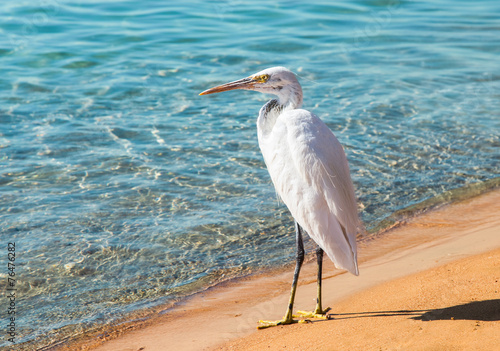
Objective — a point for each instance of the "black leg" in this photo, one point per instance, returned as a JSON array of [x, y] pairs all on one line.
[[299, 259], [288, 319], [319, 257], [298, 264]]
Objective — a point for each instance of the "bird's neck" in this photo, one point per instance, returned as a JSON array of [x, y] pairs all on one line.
[[289, 98], [268, 115]]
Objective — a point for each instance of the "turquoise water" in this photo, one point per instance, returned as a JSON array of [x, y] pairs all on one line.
[[123, 189]]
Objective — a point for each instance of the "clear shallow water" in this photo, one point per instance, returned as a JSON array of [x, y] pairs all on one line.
[[123, 189]]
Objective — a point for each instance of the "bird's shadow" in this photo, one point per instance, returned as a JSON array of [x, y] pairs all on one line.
[[487, 310]]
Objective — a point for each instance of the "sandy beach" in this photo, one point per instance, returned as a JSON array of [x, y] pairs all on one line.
[[431, 283]]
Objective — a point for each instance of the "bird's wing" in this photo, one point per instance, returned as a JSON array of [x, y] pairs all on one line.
[[310, 172]]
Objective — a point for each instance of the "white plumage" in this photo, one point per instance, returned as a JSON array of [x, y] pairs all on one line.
[[309, 170]]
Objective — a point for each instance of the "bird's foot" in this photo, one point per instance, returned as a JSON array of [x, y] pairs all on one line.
[[284, 321], [318, 313]]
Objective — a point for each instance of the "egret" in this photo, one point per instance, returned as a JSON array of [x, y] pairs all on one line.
[[310, 172]]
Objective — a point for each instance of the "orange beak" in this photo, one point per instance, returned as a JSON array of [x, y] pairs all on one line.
[[245, 83]]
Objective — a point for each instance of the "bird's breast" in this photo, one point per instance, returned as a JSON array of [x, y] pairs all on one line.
[[287, 136]]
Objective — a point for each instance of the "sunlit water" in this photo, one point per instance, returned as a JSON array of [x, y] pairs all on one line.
[[122, 188]]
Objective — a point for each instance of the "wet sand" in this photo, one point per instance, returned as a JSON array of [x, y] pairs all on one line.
[[431, 283]]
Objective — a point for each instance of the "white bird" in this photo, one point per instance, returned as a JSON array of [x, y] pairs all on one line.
[[310, 172]]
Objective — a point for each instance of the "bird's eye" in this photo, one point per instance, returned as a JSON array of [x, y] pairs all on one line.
[[262, 78]]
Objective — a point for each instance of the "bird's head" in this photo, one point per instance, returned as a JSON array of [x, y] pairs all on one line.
[[275, 80]]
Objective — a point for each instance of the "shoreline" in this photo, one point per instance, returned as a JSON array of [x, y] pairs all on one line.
[[230, 310]]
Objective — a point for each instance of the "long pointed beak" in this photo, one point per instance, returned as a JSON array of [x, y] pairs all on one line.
[[245, 83]]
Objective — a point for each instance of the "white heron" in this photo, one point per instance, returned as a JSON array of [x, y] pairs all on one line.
[[309, 170]]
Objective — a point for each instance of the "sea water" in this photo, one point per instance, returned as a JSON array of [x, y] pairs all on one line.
[[122, 189]]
